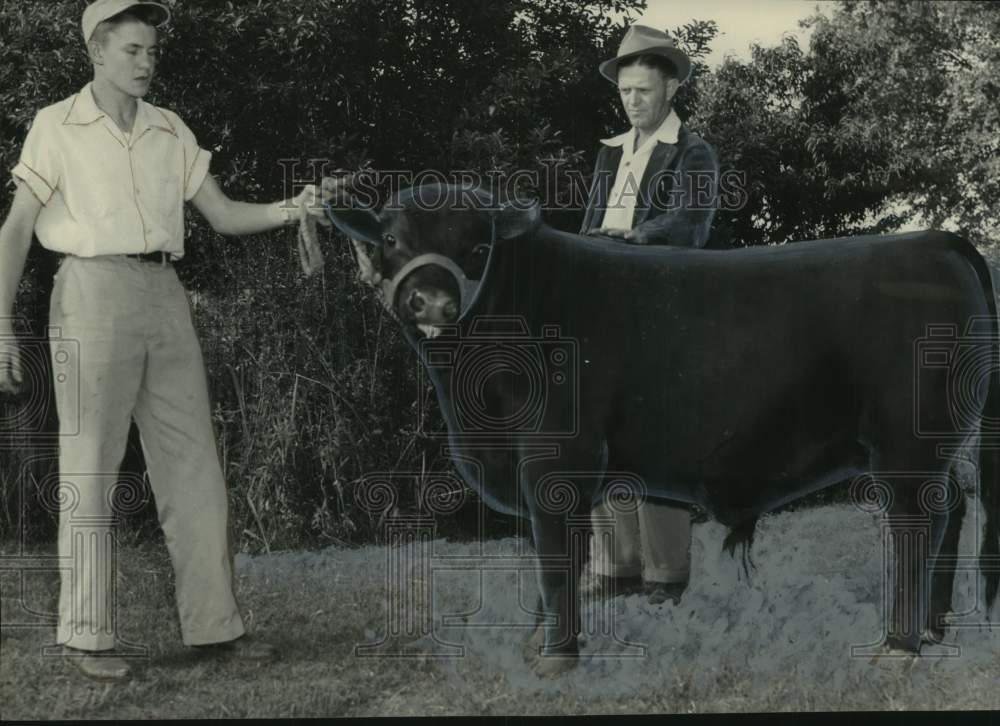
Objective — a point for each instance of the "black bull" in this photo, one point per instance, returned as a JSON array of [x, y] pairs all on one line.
[[735, 380]]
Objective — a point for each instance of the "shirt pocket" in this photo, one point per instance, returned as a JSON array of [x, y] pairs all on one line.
[[166, 197], [160, 184]]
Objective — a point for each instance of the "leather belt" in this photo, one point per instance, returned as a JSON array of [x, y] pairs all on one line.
[[162, 258]]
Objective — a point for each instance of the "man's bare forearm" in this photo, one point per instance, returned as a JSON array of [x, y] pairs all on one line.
[[15, 240], [230, 217], [242, 218]]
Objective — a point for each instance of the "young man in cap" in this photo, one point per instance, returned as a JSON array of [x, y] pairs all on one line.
[[657, 183], [102, 179]]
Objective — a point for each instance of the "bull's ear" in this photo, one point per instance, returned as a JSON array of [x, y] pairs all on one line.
[[356, 223], [517, 218]]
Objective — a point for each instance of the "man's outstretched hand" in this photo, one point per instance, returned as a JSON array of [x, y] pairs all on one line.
[[313, 197], [311, 211], [311, 200]]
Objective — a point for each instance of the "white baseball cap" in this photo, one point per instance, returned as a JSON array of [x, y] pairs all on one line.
[[99, 11]]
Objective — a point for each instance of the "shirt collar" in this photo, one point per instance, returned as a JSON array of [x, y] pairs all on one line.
[[148, 116], [84, 110], [667, 132]]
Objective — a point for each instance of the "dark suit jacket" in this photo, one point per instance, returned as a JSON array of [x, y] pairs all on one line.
[[678, 193]]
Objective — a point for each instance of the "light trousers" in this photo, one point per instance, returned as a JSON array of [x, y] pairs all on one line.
[[123, 346], [653, 542]]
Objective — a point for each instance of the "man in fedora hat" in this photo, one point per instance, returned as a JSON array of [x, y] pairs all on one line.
[[102, 179], [657, 183]]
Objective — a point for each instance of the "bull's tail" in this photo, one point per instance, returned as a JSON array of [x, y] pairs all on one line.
[[742, 535], [989, 449], [989, 490]]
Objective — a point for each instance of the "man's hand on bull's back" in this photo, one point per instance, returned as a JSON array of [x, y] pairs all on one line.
[[627, 235]]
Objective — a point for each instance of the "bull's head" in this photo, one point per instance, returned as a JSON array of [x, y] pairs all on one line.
[[431, 246]]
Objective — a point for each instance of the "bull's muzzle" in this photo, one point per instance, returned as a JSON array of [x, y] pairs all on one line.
[[432, 307], [420, 301]]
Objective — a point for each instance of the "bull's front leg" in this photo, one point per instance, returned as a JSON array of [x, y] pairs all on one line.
[[552, 502]]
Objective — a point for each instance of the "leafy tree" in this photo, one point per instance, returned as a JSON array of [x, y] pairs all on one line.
[[888, 117], [751, 112]]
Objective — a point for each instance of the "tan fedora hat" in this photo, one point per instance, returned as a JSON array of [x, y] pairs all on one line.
[[640, 40]]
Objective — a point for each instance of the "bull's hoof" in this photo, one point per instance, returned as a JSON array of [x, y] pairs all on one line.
[[532, 645], [892, 653], [550, 666], [553, 662], [932, 635], [906, 644]]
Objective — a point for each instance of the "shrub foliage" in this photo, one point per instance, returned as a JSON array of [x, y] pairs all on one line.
[[890, 114]]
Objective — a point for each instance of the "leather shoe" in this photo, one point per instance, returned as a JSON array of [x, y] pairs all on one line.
[[242, 648], [660, 592], [103, 668]]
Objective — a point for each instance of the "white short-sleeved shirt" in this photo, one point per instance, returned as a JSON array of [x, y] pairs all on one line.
[[625, 190], [105, 192]]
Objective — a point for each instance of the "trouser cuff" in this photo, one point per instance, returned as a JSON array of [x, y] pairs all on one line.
[[206, 636], [84, 641]]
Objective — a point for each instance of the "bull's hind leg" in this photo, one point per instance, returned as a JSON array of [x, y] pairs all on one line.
[[943, 577], [916, 535]]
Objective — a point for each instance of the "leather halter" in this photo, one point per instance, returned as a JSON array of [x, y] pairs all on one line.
[[467, 288]]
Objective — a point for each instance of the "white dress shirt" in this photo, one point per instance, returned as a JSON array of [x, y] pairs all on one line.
[[625, 190], [105, 192]]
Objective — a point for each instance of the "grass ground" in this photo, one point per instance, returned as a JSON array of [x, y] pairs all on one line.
[[313, 678], [317, 675], [779, 644]]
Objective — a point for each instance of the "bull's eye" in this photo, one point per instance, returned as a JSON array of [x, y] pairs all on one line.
[[389, 240]]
